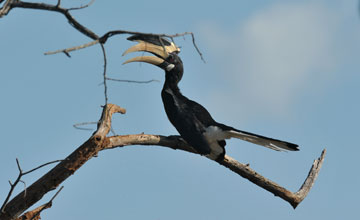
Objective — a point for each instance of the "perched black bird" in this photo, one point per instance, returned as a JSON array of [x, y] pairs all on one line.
[[191, 119]]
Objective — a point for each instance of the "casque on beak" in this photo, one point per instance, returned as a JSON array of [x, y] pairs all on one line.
[[152, 44]]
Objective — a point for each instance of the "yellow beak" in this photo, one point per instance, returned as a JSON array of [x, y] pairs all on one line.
[[147, 59], [161, 52]]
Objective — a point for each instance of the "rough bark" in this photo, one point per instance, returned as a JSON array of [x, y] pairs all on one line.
[[64, 169], [98, 141]]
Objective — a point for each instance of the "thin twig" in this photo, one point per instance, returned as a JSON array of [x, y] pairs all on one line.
[[46, 205], [196, 47], [104, 73], [72, 48], [56, 8], [45, 164], [109, 34], [171, 36], [18, 179], [18, 165], [12, 187], [77, 126], [42, 6], [82, 6], [132, 81]]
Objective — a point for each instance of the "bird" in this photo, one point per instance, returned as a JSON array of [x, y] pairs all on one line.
[[194, 123]]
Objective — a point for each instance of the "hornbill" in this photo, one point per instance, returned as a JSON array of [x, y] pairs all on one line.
[[192, 120]]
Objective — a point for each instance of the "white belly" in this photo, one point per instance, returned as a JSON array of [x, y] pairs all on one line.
[[213, 134]]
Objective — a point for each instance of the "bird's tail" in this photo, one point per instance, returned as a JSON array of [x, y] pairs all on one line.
[[263, 141]]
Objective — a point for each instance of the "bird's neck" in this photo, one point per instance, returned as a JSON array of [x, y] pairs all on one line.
[[172, 87]]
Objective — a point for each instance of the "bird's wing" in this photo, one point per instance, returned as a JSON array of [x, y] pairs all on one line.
[[186, 122], [192, 130], [201, 113]]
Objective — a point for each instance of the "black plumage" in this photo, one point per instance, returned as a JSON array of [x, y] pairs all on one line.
[[192, 120]]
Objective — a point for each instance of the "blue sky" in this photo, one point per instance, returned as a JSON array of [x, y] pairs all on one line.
[[284, 69]]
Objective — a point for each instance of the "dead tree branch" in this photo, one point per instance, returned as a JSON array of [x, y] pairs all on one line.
[[132, 81], [18, 179], [176, 143], [293, 198], [10, 4], [78, 125], [82, 6], [64, 169], [104, 73], [35, 214], [109, 34], [99, 141], [68, 50]]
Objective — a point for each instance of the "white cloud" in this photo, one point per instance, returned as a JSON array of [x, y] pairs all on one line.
[[274, 54]]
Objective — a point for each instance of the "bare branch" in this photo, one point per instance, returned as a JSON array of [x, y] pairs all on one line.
[[98, 141], [18, 165], [64, 169], [12, 187], [105, 37], [109, 34], [47, 7], [35, 214], [104, 124], [310, 180], [73, 48], [77, 126], [83, 6], [6, 7], [243, 170], [45, 164], [174, 142], [293, 198], [132, 81], [104, 73], [18, 179], [196, 47], [9, 4]]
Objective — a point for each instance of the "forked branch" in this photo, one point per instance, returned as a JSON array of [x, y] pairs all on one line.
[[177, 143], [99, 141], [52, 179], [10, 4], [35, 214]]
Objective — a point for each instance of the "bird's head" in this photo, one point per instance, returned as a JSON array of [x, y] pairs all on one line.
[[165, 55]]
